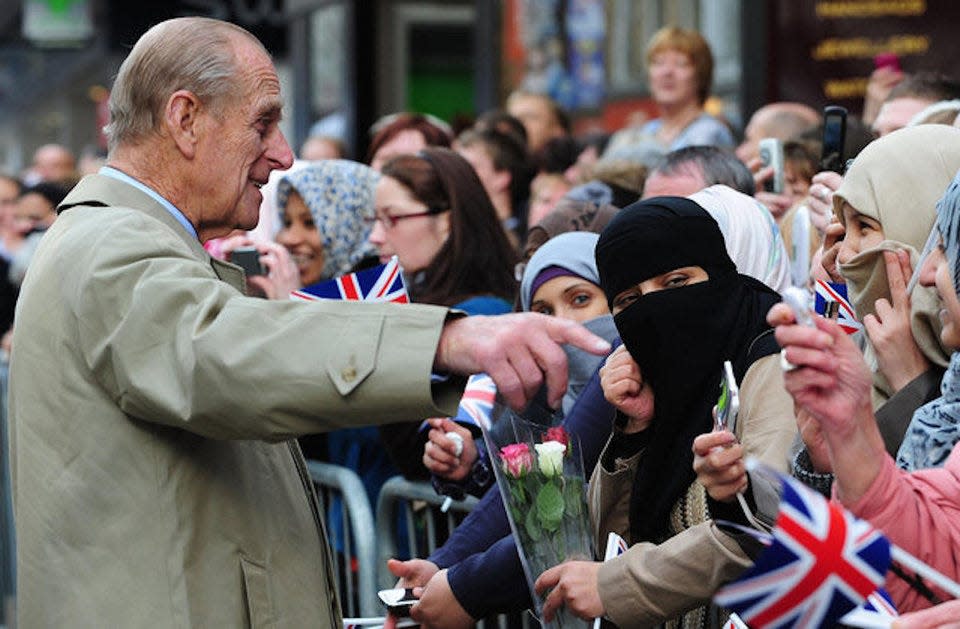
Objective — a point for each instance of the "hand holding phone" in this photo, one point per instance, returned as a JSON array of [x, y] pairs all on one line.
[[797, 299], [771, 154], [728, 402], [398, 600], [834, 137], [887, 60], [248, 258]]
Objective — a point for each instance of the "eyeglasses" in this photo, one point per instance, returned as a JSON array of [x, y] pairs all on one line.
[[390, 221]]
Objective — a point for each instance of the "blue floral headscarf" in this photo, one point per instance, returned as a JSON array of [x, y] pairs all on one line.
[[935, 427], [339, 194]]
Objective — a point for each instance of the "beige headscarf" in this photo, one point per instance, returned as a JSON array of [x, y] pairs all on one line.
[[898, 180]]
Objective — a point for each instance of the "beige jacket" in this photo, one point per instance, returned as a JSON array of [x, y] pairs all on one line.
[[152, 407], [653, 583]]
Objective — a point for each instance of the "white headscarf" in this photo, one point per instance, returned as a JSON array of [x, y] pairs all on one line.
[[751, 234]]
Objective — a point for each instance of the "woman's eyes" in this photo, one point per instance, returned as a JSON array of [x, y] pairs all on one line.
[[581, 299], [624, 300], [542, 309], [674, 281]]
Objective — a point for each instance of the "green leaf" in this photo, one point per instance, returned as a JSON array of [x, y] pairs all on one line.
[[549, 506], [532, 526]]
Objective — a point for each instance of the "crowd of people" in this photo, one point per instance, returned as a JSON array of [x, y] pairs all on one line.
[[162, 401]]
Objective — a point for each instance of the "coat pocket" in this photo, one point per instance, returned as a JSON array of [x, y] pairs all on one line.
[[256, 589]]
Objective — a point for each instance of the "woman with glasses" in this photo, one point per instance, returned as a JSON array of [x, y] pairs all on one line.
[[432, 212]]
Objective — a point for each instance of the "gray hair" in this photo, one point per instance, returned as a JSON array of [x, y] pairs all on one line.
[[191, 53], [718, 166]]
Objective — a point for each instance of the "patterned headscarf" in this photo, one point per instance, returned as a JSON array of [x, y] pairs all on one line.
[[339, 194], [935, 427]]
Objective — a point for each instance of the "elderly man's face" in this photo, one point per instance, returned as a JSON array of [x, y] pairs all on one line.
[[241, 147]]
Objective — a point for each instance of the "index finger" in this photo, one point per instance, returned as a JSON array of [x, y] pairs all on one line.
[[549, 578], [709, 440], [568, 332], [895, 279]]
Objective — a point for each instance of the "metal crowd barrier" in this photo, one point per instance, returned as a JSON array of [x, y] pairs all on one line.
[[420, 506], [7, 543], [427, 528], [357, 595]]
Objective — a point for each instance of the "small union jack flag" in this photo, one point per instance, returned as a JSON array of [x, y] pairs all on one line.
[[616, 546], [877, 611], [477, 401], [822, 563], [828, 292], [380, 283], [476, 405]]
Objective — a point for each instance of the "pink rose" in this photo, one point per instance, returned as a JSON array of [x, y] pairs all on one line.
[[517, 459], [557, 433]]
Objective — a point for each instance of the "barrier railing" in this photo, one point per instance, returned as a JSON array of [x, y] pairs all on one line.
[[426, 527], [358, 588]]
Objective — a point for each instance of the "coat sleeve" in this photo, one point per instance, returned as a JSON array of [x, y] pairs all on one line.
[[919, 512], [651, 583], [171, 343]]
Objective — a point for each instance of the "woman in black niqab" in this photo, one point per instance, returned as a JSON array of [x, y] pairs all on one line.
[[681, 309]]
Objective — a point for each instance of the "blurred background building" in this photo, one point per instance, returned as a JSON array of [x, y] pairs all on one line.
[[344, 63]]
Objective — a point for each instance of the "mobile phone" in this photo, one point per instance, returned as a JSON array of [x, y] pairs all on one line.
[[887, 60], [771, 154], [798, 301], [728, 402], [398, 600], [248, 259], [834, 136]]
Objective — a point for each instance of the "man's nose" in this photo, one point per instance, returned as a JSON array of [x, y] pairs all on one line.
[[279, 152]]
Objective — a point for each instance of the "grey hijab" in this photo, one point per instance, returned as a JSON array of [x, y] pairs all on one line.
[[935, 427]]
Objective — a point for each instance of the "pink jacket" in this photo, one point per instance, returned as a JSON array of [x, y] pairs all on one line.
[[919, 512]]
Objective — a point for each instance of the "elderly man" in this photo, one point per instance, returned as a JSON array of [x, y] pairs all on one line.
[[153, 404]]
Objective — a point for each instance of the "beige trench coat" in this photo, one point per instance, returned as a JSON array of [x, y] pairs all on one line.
[[152, 408]]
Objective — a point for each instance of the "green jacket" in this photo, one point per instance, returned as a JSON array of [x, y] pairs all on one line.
[[152, 411]]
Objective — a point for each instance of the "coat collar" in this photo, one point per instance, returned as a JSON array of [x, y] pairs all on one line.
[[102, 191]]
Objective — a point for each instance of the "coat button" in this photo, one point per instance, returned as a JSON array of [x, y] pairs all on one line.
[[349, 374]]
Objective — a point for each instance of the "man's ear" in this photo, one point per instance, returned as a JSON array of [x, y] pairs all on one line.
[[181, 120]]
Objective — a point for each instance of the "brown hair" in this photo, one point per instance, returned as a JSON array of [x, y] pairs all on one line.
[[692, 44], [477, 258], [432, 134]]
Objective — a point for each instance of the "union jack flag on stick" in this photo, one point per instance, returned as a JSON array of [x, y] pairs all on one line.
[[822, 563], [380, 283], [836, 295]]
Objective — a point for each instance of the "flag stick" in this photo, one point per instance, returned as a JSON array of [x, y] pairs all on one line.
[[940, 580]]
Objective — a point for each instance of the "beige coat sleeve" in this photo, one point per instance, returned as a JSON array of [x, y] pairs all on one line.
[[171, 343], [652, 583]]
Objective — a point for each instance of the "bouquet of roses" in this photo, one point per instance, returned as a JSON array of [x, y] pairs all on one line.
[[540, 475]]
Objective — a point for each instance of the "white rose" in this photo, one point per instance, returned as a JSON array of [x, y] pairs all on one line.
[[550, 457]]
